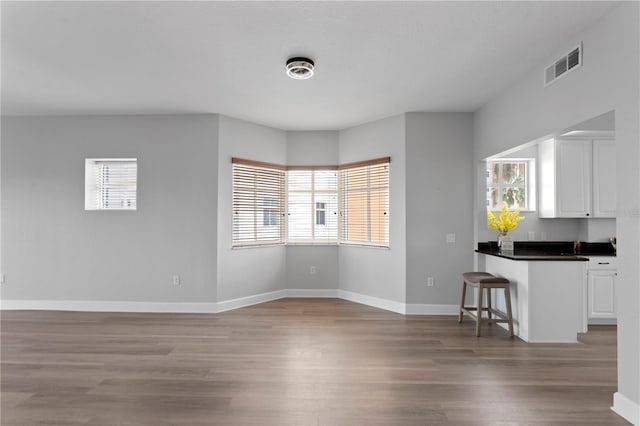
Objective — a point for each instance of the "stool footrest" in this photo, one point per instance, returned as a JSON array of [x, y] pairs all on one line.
[[471, 311]]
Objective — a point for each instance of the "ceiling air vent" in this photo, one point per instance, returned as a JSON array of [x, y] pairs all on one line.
[[562, 66]]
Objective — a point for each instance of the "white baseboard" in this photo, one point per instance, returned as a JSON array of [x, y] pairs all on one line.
[[625, 408], [241, 302], [328, 293], [225, 305], [602, 321], [426, 309], [376, 302], [107, 306]]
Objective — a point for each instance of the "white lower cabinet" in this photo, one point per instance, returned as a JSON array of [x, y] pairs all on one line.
[[601, 291]]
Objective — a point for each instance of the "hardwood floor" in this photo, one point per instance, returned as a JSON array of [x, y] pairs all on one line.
[[309, 362]]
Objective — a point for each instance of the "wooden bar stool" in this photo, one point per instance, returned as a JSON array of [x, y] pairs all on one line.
[[482, 281]]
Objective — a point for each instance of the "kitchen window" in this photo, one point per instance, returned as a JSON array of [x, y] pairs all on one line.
[[511, 181]]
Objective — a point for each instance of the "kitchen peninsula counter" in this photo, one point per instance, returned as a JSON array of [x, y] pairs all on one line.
[[548, 287], [516, 255]]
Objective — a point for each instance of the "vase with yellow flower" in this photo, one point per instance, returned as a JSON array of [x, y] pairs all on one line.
[[504, 222]]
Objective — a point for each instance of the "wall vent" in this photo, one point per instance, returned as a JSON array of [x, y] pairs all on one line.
[[563, 66]]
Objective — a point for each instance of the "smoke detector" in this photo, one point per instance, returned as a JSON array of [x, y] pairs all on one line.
[[300, 68]]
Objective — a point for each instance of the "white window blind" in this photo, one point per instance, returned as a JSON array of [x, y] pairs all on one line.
[[364, 202], [111, 184], [347, 204], [312, 206], [258, 203]]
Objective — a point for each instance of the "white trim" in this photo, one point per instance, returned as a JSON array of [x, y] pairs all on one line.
[[225, 305], [321, 293], [602, 321], [554, 340], [589, 134], [625, 408], [241, 302], [428, 309], [107, 306], [376, 302]]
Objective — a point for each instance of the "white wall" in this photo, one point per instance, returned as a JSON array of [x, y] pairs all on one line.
[[600, 230], [314, 148], [299, 260], [439, 151], [528, 111], [55, 250], [554, 229], [246, 272], [375, 272]]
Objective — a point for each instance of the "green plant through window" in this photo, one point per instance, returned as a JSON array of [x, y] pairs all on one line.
[[508, 181]]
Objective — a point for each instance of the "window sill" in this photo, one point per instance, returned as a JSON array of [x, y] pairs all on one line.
[[365, 245], [313, 243], [308, 244], [251, 246]]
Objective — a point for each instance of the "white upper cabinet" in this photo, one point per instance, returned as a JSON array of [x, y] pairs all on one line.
[[573, 178], [604, 178], [577, 178]]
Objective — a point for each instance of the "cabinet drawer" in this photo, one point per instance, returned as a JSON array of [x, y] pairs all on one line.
[[602, 262]]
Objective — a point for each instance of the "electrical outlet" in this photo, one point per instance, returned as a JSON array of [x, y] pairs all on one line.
[[451, 238], [312, 270], [176, 280], [431, 282], [532, 235], [2, 278], [543, 236]]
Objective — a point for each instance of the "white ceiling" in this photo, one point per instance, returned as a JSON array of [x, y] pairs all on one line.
[[373, 59]]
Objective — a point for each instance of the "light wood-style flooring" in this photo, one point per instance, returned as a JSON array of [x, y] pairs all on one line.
[[301, 362]]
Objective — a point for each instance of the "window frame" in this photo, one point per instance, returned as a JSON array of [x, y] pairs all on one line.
[[529, 184]]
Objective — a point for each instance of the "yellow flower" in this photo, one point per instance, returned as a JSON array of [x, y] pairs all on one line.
[[506, 221]]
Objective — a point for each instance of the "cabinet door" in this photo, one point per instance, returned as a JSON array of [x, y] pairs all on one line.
[[573, 178], [602, 285], [604, 178]]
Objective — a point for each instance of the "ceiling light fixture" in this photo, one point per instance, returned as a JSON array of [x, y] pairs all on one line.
[[300, 68]]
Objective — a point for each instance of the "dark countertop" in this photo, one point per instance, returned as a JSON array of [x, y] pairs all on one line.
[[515, 255], [547, 250]]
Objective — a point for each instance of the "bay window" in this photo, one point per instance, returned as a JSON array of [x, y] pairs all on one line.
[[347, 204]]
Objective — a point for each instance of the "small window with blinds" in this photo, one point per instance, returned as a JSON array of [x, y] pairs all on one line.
[[258, 203], [312, 206], [111, 183], [364, 203]]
